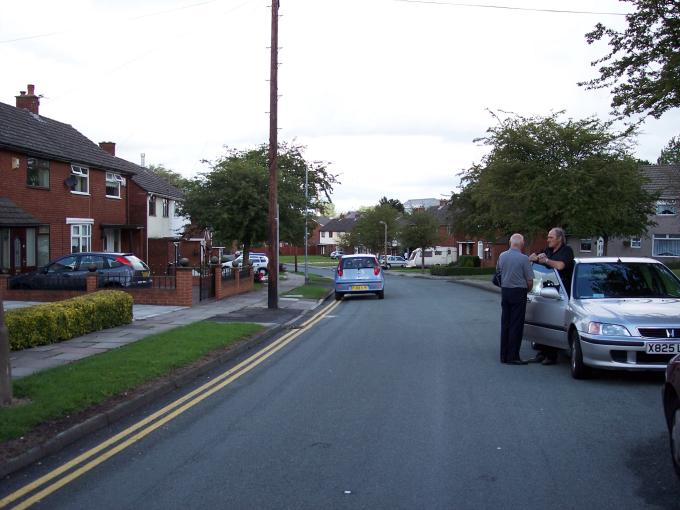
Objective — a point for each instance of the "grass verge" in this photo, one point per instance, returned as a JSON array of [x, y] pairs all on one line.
[[317, 287], [65, 390], [312, 260]]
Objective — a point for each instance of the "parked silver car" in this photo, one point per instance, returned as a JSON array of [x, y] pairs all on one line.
[[392, 261], [622, 313]]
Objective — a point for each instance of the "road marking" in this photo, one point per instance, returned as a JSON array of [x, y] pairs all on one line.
[[170, 411]]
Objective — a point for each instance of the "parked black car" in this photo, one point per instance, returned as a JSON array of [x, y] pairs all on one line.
[[69, 272], [671, 401]]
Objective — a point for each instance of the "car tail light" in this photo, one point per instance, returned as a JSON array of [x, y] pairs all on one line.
[[124, 261], [339, 270], [376, 270]]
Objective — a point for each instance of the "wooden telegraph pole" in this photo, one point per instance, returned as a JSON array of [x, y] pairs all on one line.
[[5, 365], [273, 286]]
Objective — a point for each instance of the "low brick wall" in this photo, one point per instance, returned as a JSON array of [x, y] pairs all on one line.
[[233, 286]]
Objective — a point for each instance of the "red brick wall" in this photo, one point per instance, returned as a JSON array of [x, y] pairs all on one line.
[[52, 206]]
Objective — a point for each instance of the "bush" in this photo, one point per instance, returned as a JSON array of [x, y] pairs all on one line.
[[55, 322], [469, 261], [461, 271], [674, 264]]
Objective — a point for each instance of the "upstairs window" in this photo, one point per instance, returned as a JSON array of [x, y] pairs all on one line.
[[586, 245], [38, 173], [666, 208], [82, 179], [113, 184], [166, 208], [152, 205]]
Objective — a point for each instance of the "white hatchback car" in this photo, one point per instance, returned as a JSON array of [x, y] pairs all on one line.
[[259, 262]]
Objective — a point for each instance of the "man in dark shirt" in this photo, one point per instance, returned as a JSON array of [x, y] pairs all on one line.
[[559, 256]]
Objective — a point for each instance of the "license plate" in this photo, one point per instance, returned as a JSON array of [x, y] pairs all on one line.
[[662, 348], [359, 287], [145, 274]]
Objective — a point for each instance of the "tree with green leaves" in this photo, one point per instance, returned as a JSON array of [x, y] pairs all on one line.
[[232, 198], [174, 178], [369, 232], [642, 68], [420, 229], [393, 202], [544, 172], [670, 154]]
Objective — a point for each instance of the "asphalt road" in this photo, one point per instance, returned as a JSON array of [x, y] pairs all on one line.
[[397, 403]]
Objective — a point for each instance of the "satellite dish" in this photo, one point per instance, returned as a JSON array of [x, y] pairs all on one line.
[[70, 182]]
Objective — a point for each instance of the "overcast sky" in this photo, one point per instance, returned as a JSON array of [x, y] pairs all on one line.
[[391, 93]]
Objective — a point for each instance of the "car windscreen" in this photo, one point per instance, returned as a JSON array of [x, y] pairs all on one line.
[[358, 263], [624, 280]]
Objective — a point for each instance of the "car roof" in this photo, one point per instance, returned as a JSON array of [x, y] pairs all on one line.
[[590, 260], [110, 253], [355, 255]]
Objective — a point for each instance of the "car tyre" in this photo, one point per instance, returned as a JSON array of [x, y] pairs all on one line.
[[675, 437], [338, 296], [389, 266], [381, 294], [578, 369]]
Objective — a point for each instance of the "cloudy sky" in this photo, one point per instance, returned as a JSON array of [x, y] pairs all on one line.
[[390, 92]]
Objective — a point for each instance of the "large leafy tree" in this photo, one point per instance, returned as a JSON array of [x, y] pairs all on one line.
[[420, 229], [174, 178], [543, 172], [392, 202], [642, 67], [670, 154], [232, 198], [369, 232]]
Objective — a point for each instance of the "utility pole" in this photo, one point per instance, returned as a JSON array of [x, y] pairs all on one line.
[[273, 284], [5, 365]]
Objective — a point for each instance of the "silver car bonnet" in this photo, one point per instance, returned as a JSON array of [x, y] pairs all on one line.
[[631, 312]]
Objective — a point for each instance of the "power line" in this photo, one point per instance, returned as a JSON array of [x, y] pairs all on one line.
[[505, 7]]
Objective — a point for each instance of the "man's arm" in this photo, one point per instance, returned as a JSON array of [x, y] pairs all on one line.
[[530, 284]]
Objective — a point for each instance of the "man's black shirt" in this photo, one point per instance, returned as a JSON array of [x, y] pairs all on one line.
[[563, 254]]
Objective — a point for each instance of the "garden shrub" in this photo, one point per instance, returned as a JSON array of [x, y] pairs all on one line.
[[469, 261], [55, 322]]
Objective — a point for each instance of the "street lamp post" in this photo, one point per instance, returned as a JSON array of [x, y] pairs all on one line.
[[385, 225], [306, 211]]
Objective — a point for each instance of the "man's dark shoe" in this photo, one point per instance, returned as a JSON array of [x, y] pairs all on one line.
[[549, 361], [536, 359], [516, 362]]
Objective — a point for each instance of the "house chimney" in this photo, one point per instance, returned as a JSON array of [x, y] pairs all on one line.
[[109, 147], [29, 101]]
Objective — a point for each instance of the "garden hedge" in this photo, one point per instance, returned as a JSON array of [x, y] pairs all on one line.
[[55, 322], [461, 271]]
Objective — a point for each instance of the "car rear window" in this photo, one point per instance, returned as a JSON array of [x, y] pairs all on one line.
[[137, 263], [358, 263], [622, 280]]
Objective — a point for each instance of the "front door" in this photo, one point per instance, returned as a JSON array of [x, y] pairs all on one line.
[[18, 250]]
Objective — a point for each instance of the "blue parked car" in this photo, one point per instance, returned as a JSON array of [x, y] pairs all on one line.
[[359, 274]]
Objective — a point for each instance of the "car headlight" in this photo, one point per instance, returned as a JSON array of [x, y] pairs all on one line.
[[601, 328]]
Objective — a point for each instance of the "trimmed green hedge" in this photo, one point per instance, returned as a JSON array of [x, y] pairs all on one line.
[[460, 271], [55, 322], [468, 261]]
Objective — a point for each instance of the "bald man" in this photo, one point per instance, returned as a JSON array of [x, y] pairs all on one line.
[[517, 278]]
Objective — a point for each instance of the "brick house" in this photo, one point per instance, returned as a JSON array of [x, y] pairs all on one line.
[[331, 233], [661, 241], [60, 192]]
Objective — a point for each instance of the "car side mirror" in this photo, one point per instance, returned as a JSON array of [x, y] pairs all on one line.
[[550, 293]]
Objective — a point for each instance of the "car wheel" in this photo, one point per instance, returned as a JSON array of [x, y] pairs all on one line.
[[389, 266], [578, 369], [338, 296], [675, 436], [262, 271], [381, 294]]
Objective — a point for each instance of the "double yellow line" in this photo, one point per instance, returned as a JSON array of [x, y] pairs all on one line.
[[104, 451]]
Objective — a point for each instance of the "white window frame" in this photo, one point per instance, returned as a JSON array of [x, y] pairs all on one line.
[[635, 242], [664, 237], [113, 180], [81, 173], [165, 206], [666, 202], [580, 245], [81, 234]]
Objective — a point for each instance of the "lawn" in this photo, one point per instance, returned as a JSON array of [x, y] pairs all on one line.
[[317, 287], [312, 260], [72, 388]]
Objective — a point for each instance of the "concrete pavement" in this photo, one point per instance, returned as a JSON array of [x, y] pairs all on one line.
[[149, 320]]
